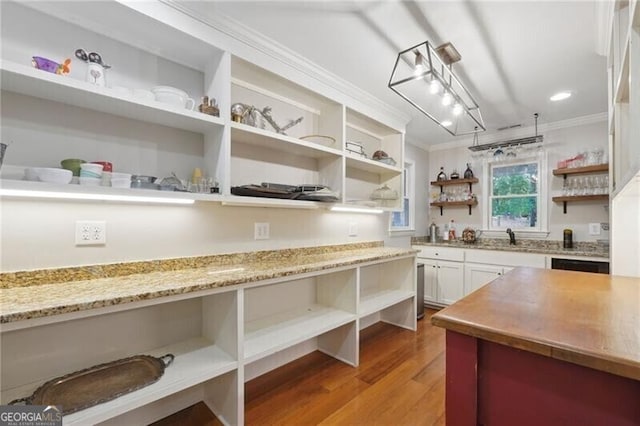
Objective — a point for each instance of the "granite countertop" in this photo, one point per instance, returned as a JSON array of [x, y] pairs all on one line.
[[587, 319], [586, 249], [36, 294]]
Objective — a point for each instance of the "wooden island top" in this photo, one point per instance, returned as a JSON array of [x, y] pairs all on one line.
[[587, 319]]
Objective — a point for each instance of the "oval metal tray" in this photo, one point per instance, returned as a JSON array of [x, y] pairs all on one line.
[[101, 383]]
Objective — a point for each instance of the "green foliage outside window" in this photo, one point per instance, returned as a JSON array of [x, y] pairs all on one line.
[[514, 195]]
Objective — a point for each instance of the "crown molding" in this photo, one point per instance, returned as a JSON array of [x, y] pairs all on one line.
[[522, 132], [273, 49]]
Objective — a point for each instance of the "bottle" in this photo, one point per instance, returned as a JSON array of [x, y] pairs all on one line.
[[468, 174], [454, 174], [452, 231], [442, 175], [567, 241], [445, 232]]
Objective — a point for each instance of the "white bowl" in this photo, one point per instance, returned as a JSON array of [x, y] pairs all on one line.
[[31, 173], [91, 170], [89, 181], [172, 96], [121, 182], [54, 175]]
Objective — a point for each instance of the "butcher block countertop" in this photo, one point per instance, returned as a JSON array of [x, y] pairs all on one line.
[[36, 294], [587, 319]]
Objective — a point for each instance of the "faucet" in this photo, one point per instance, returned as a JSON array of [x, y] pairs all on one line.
[[512, 237]]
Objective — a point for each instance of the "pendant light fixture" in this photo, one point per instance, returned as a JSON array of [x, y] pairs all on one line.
[[423, 76]]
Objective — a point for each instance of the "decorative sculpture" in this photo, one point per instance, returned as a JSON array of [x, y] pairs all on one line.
[[248, 114]]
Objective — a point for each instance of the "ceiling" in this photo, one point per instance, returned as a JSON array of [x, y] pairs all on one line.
[[515, 54]]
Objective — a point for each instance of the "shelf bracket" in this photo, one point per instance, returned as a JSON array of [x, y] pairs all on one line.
[[564, 207], [469, 209], [440, 210]]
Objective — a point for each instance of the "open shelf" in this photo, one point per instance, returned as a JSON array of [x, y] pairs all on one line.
[[42, 189], [237, 200], [441, 204], [41, 84], [622, 83], [454, 182], [371, 166], [570, 198], [275, 141], [196, 361], [381, 300], [581, 170], [266, 336]]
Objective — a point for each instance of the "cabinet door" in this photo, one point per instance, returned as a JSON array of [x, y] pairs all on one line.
[[450, 281], [476, 276], [430, 280]]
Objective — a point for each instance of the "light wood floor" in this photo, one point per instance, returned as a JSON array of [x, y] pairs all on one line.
[[400, 381]]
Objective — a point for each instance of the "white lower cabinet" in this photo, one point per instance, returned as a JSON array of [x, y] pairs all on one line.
[[220, 338], [443, 281], [477, 275]]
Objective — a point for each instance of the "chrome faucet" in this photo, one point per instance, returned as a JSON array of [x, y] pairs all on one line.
[[512, 237]]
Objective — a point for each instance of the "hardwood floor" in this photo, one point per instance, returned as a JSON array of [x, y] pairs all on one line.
[[400, 381]]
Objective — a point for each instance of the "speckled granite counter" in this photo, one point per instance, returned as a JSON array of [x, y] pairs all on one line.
[[585, 249], [36, 294]]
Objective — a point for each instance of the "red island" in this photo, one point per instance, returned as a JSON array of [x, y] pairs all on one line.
[[544, 347]]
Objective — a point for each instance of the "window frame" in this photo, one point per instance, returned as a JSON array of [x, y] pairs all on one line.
[[408, 187], [542, 228]]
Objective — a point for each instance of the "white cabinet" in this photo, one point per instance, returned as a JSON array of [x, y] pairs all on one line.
[[201, 332], [157, 44], [443, 279], [623, 52], [477, 275], [450, 281], [451, 273], [221, 337]]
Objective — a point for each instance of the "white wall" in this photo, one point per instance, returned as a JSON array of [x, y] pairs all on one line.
[[560, 143], [421, 159], [40, 234]]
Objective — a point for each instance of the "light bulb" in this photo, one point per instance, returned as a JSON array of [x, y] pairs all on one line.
[[457, 109], [446, 123], [419, 66], [434, 87], [447, 99]]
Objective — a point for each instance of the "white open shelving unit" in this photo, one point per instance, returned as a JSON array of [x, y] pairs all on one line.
[[232, 153], [623, 23], [220, 338]]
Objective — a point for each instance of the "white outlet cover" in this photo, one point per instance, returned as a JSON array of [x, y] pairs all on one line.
[[594, 229], [91, 232], [261, 230], [353, 229]]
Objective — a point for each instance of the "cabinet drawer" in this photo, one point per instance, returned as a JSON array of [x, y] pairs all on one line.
[[443, 253], [495, 257]]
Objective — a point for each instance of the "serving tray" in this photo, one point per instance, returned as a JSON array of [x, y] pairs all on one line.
[[101, 383]]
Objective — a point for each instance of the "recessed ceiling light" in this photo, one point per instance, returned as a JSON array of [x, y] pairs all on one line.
[[447, 123], [560, 96]]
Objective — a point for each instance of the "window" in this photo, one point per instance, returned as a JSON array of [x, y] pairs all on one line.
[[515, 194], [404, 220]]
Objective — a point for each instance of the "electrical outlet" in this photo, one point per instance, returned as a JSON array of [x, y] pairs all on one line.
[[353, 229], [261, 231], [604, 226], [594, 229], [91, 232]]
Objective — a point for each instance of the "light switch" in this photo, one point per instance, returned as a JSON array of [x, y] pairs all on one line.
[[594, 229]]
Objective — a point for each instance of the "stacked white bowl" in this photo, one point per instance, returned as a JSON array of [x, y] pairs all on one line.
[[91, 174]]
